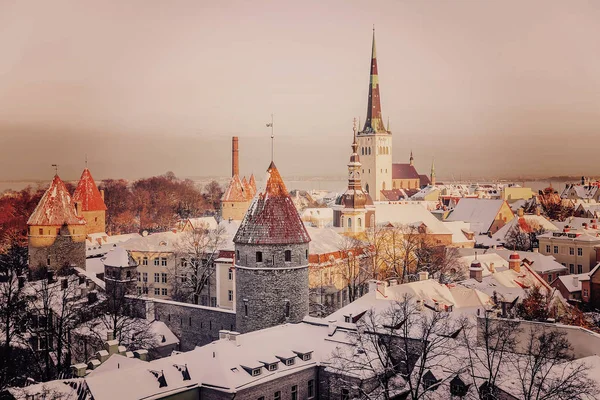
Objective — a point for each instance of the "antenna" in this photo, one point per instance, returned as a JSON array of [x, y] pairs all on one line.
[[86, 160], [55, 169], [270, 125]]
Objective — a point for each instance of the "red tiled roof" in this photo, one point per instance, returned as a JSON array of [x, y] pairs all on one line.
[[404, 171], [424, 180], [235, 191], [88, 194], [252, 184], [56, 207], [272, 217]]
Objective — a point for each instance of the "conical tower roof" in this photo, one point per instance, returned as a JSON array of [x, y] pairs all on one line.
[[252, 184], [374, 120], [272, 217], [56, 207], [88, 194], [235, 190]]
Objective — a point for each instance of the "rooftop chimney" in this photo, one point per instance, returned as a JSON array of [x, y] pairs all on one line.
[[235, 163], [576, 281], [520, 212]]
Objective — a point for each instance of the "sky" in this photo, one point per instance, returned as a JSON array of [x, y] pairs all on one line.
[[487, 88]]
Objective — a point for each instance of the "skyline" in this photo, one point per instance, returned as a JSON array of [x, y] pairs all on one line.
[[488, 89]]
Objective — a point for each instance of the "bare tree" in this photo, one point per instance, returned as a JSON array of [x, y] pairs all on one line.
[[547, 369], [373, 251], [394, 351], [197, 250], [523, 239], [353, 267]]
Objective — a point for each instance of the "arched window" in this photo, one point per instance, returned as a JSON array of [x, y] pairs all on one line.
[[349, 223], [246, 309], [259, 256], [359, 223], [288, 255], [287, 309], [369, 151], [367, 188]]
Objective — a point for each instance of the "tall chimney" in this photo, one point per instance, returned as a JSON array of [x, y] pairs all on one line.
[[235, 163]]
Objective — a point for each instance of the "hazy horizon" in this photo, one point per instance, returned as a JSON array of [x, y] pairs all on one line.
[[495, 89]]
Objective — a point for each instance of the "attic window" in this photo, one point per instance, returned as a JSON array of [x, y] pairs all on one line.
[[306, 357], [272, 367], [290, 361], [256, 372]]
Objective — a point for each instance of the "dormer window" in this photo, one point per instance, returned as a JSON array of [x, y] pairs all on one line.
[[290, 361], [256, 372], [272, 367], [306, 357]]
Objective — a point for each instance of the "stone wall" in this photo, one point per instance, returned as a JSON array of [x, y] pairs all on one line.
[[194, 325], [62, 251], [273, 291], [95, 221]]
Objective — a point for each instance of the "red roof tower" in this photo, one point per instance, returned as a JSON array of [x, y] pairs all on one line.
[[88, 194], [272, 217], [56, 207], [374, 121]]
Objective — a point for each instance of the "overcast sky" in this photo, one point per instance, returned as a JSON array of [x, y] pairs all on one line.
[[486, 87]]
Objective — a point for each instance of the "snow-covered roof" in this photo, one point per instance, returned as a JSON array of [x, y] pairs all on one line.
[[573, 282], [119, 257], [539, 262], [160, 242], [481, 213], [459, 230], [324, 240], [409, 214], [56, 207], [88, 194], [420, 195], [525, 224], [203, 222]]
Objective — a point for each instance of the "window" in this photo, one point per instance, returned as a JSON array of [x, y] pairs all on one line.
[[287, 309], [145, 261], [295, 392], [163, 291], [156, 261], [307, 254], [359, 223], [549, 278], [261, 398], [547, 248], [345, 394], [277, 395], [183, 262], [139, 290], [311, 388], [290, 361], [156, 277], [273, 367], [579, 268], [256, 372], [128, 274], [58, 231], [288, 255], [579, 251], [259, 256], [585, 293], [163, 277], [213, 301], [156, 291], [571, 268], [246, 309], [230, 274], [571, 251], [555, 249], [144, 277], [349, 223], [145, 290], [163, 262], [237, 254], [230, 295], [306, 357]]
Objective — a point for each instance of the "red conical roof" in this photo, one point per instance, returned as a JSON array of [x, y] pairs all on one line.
[[88, 194], [235, 191], [272, 217], [252, 184], [56, 207]]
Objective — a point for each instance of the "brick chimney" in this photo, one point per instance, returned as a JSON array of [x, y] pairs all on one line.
[[514, 262], [476, 271], [235, 163]]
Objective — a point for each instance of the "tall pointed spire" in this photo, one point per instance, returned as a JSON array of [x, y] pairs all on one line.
[[411, 159], [432, 178], [374, 121]]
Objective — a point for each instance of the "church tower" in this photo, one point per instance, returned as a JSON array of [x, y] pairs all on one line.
[[354, 210], [432, 178], [56, 230], [271, 260], [375, 141], [92, 203]]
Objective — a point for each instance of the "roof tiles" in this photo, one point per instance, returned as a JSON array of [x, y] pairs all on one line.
[[87, 192], [56, 207]]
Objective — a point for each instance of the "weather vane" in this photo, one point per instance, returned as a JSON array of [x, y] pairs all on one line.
[[270, 125]]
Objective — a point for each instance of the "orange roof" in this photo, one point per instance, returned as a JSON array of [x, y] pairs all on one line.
[[252, 184], [235, 191], [88, 194], [56, 207], [272, 217]]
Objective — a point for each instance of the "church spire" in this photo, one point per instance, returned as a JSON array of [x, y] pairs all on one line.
[[374, 121], [432, 172], [411, 159], [354, 164]]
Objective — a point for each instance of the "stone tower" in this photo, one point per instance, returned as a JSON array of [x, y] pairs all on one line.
[[239, 192], [271, 260], [375, 141], [57, 230], [92, 203], [120, 273], [354, 210]]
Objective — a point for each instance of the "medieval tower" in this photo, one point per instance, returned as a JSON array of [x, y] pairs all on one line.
[[271, 260], [92, 203], [354, 210], [239, 192], [120, 273], [57, 230], [375, 141]]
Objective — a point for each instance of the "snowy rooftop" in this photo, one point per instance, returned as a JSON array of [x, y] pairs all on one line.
[[409, 214], [88, 194], [481, 213], [56, 207]]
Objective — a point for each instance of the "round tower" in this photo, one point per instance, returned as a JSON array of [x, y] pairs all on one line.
[[56, 230], [120, 273], [93, 207], [271, 260]]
